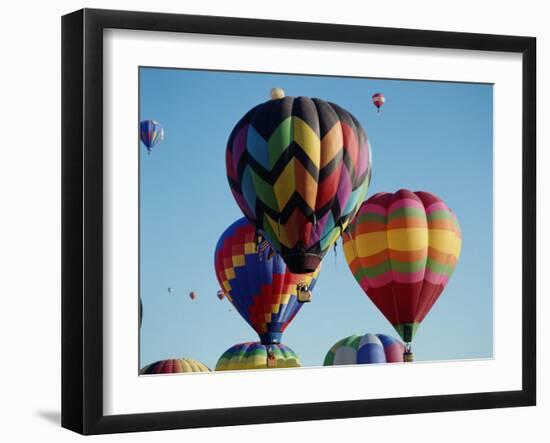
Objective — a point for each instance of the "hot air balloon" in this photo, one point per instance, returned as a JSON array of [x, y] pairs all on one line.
[[193, 295], [402, 249], [299, 169], [378, 100], [220, 294], [170, 291], [174, 366], [261, 287], [257, 356], [369, 348], [277, 93], [151, 133]]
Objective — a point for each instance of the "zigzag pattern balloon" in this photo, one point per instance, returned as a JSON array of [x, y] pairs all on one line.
[[299, 169]]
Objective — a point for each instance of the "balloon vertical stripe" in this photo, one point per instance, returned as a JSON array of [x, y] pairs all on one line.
[[370, 348], [151, 133]]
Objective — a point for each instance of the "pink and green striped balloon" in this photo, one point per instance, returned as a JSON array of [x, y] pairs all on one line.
[[402, 249], [174, 366]]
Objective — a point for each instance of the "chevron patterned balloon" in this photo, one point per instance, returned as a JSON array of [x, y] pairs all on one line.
[[299, 168]]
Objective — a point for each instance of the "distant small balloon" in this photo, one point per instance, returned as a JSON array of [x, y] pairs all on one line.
[[277, 93], [170, 291], [151, 133], [220, 294], [193, 295], [378, 100]]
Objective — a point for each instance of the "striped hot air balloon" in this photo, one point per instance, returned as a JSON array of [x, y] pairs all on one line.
[[151, 133], [369, 348], [174, 366], [257, 282], [299, 168], [402, 249], [254, 355], [378, 100]]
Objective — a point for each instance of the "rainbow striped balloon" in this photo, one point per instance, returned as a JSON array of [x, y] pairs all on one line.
[[402, 249], [174, 366], [254, 355]]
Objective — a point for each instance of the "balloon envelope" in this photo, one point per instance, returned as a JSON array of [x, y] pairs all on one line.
[[369, 348], [277, 93], [402, 249], [299, 169], [151, 133], [173, 366], [378, 100], [257, 282], [254, 355]]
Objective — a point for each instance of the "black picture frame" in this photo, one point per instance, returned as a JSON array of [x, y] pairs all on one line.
[[82, 215]]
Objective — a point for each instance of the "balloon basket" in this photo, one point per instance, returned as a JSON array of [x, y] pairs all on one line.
[[408, 357], [271, 361], [303, 293]]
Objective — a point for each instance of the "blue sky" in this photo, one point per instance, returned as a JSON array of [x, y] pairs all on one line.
[[430, 136]]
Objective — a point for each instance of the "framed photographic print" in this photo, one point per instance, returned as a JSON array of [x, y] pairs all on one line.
[[256, 209]]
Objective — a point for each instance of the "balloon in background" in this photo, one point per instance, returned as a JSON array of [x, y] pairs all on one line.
[[151, 133], [402, 249], [299, 168], [174, 366], [277, 93], [369, 348], [257, 281], [254, 355], [140, 312], [378, 100]]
